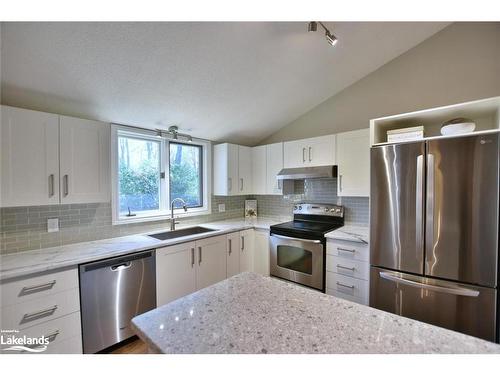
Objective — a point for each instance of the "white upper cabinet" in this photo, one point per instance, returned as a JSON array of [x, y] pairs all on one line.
[[52, 159], [310, 152], [267, 162], [30, 157], [232, 169], [353, 157], [259, 170], [84, 150], [274, 161], [244, 170]]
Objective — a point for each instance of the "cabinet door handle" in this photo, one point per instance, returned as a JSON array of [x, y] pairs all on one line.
[[310, 153], [229, 184], [346, 268], [346, 286], [51, 185], [199, 255], [241, 181], [230, 246], [192, 257], [340, 182], [347, 250], [66, 185], [303, 154], [36, 288], [39, 314], [242, 243]]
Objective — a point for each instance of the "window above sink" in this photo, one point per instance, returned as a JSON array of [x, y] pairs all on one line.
[[149, 171]]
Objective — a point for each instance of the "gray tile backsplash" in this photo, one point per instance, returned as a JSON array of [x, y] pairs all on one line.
[[318, 191], [25, 228]]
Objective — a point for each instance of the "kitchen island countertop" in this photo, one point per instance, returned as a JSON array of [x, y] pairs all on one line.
[[249, 313]]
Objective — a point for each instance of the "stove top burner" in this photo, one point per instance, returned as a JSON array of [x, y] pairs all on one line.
[[311, 221]]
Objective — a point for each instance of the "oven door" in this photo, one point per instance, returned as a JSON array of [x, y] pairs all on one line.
[[299, 260]]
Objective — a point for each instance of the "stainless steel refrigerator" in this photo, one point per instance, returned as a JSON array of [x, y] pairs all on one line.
[[434, 212]]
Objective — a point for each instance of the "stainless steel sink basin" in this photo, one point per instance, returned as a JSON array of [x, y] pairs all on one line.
[[180, 233]]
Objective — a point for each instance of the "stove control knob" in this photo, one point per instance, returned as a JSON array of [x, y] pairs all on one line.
[[294, 207], [300, 207], [326, 209]]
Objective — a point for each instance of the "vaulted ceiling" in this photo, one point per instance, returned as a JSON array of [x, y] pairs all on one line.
[[236, 82]]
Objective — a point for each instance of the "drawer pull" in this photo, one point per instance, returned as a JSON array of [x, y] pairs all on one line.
[[347, 250], [346, 268], [38, 314], [52, 336], [346, 286], [36, 288]]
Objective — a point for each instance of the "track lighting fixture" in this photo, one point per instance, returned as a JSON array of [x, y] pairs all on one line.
[[330, 38], [173, 131]]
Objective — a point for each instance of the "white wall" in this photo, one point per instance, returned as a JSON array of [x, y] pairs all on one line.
[[460, 63]]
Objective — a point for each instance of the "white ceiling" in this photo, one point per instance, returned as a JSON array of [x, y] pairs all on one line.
[[236, 82]]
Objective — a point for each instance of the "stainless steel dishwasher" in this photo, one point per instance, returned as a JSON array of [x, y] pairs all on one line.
[[112, 292]]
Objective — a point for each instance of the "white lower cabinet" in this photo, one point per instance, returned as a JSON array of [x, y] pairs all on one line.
[[175, 272], [240, 252], [246, 250], [233, 254], [182, 269], [47, 305], [347, 270], [261, 252], [211, 261]]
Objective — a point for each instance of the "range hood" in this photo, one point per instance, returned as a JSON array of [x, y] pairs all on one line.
[[303, 173]]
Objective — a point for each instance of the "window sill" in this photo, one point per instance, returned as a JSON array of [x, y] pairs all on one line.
[[161, 217]]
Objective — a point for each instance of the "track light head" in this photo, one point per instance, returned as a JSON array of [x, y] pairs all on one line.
[[312, 26], [330, 38]]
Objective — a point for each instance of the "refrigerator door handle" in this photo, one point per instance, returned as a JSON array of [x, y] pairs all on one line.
[[430, 203], [459, 291], [419, 209]]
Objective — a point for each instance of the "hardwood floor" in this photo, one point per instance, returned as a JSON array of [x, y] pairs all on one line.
[[134, 345]]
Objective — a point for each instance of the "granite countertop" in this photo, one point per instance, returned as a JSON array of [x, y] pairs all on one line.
[[34, 261], [352, 233], [249, 313]]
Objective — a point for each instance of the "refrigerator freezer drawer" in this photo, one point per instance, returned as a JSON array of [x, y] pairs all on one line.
[[459, 307]]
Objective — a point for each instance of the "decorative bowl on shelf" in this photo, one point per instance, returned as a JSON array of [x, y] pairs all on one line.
[[458, 125]]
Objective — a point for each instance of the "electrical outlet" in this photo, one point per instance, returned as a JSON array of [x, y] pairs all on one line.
[[53, 225], [222, 207]]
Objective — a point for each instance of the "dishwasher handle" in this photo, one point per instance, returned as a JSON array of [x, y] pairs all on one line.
[[118, 263]]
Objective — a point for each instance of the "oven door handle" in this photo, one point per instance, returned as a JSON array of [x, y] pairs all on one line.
[[294, 238]]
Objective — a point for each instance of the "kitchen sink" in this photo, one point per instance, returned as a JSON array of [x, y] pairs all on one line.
[[180, 233]]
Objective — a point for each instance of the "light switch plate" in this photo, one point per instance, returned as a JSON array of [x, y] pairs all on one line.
[[53, 225], [222, 207]]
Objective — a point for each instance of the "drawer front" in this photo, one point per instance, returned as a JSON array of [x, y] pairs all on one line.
[[348, 297], [346, 285], [348, 267], [70, 346], [31, 288], [348, 250], [64, 334], [31, 313]]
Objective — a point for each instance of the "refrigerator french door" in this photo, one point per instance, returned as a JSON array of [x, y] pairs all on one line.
[[434, 232]]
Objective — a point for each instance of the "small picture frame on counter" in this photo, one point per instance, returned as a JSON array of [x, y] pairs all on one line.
[[250, 208]]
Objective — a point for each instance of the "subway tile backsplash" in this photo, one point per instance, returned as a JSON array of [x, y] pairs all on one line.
[[25, 228], [318, 191]]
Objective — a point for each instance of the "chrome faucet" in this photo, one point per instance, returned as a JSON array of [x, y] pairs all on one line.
[[172, 219]]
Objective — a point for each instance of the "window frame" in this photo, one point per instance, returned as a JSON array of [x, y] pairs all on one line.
[[202, 174], [164, 211]]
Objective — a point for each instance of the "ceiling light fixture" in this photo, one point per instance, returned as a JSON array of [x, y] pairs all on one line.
[[173, 131], [330, 38]]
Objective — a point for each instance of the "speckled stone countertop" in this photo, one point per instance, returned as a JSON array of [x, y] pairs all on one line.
[[249, 313], [350, 233], [34, 261]]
